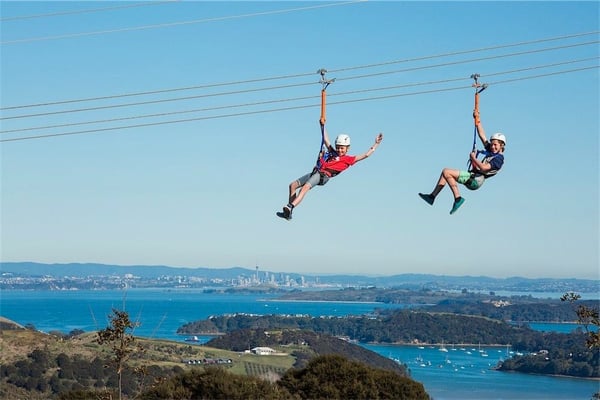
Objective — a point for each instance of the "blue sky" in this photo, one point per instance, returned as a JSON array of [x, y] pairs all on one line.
[[205, 192]]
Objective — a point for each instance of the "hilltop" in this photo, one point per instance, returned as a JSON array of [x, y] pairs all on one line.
[[37, 365]]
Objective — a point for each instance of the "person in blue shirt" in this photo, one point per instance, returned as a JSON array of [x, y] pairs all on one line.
[[480, 169]]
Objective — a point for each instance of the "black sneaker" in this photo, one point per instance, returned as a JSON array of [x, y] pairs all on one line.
[[282, 215], [428, 198]]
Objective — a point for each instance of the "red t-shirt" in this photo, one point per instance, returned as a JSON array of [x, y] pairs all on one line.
[[335, 165]]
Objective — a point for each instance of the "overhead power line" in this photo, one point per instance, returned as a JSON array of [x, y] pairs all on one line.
[[98, 130], [180, 23], [85, 11], [281, 77]]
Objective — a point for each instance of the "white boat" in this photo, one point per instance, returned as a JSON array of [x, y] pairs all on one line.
[[442, 348]]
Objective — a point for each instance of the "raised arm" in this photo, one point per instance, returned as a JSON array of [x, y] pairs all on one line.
[[378, 140], [479, 126], [326, 141]]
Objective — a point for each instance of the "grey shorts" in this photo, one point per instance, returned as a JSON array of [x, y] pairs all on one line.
[[313, 179]]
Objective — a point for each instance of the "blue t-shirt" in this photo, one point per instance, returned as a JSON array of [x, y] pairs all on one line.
[[496, 160]]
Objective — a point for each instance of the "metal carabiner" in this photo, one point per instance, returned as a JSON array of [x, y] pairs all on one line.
[[323, 81], [478, 87]]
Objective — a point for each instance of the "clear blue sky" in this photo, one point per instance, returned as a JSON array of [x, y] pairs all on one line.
[[205, 192]]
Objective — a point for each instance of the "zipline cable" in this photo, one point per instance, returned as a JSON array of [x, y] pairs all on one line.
[[521, 53], [460, 52], [141, 103], [291, 85], [163, 114], [306, 74], [293, 107]]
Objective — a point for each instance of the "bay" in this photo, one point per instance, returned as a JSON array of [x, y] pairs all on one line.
[[459, 373], [158, 312]]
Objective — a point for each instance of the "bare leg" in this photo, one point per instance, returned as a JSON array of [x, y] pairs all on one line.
[[293, 187], [298, 198], [448, 176]]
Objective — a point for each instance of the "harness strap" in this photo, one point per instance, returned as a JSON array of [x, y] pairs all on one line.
[[478, 89], [322, 175], [323, 153]]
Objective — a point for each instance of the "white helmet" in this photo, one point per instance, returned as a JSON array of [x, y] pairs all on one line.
[[499, 136], [342, 140]]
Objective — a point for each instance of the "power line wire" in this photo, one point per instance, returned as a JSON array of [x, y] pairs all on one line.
[[291, 108], [85, 11], [180, 23], [163, 114], [291, 85], [306, 74]]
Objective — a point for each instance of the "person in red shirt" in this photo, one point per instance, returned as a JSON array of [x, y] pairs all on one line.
[[332, 161]]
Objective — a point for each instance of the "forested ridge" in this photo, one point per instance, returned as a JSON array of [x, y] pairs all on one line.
[[398, 326], [517, 308], [306, 345], [563, 354]]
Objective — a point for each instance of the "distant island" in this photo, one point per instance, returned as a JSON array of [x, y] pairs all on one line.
[[536, 352]]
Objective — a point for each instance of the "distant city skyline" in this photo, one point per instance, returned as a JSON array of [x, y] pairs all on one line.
[[34, 276]]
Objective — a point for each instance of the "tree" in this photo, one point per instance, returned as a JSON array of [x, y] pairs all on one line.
[[586, 316], [123, 343], [334, 377], [216, 383]]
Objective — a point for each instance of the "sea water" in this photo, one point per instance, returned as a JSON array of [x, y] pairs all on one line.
[[459, 373]]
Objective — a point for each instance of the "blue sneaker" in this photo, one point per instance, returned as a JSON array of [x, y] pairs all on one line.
[[457, 203], [428, 198]]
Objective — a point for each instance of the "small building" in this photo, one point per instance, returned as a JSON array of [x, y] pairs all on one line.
[[263, 351]]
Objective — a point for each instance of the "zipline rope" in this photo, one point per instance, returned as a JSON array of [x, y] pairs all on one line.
[[304, 74], [277, 87], [292, 108], [282, 100]]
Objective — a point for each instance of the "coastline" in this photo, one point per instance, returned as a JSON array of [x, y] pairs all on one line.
[[321, 301]]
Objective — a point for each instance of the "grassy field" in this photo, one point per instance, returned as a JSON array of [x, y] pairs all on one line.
[[17, 344]]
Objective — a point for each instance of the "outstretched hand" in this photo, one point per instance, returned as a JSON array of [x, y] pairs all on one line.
[[379, 138]]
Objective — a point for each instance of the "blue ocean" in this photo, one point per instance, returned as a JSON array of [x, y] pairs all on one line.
[[460, 372]]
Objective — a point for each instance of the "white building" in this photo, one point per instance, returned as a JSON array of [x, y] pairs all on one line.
[[263, 351]]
